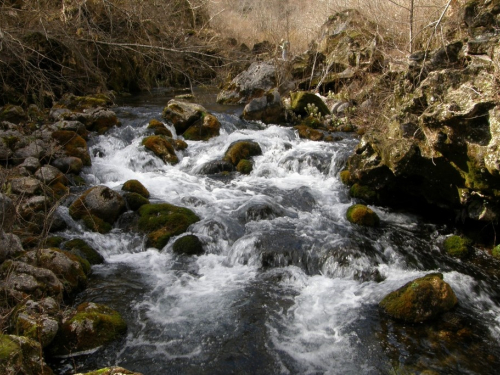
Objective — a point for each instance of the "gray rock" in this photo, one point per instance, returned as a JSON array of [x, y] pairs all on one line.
[[7, 212], [25, 185], [70, 164], [10, 246], [182, 114], [31, 164], [48, 174], [267, 109]]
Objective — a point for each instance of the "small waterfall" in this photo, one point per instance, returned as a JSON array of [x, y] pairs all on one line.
[[286, 286]]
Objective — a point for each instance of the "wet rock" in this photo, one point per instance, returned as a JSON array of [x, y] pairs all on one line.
[[35, 281], [457, 246], [362, 215], [216, 166], [363, 192], [21, 355], [306, 132], [161, 147], [258, 79], [183, 114], [420, 300], [267, 108], [135, 201], [83, 249], [68, 268], [204, 129], [188, 245], [134, 186], [111, 371], [98, 207], [88, 327], [159, 128], [10, 246], [244, 166], [162, 221], [240, 150], [301, 99], [7, 213]]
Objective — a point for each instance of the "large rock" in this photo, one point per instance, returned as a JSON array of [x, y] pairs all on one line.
[[242, 150], [268, 109], [301, 99], [182, 114], [88, 327], [29, 280], [202, 130], [420, 300], [162, 147], [98, 207], [162, 221], [258, 79]]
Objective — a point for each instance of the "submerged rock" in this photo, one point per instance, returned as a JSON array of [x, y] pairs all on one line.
[[420, 300], [216, 166], [88, 327]]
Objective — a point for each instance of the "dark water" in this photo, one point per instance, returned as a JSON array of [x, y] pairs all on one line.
[[287, 285]]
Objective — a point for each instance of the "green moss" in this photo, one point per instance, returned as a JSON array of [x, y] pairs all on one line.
[[135, 186], [457, 246], [312, 122], [188, 245], [362, 215], [345, 177], [305, 132], [179, 144], [162, 148], [363, 192], [496, 251], [419, 300], [77, 258], [242, 150], [300, 99], [244, 166], [135, 200], [96, 224], [54, 241], [162, 221], [8, 348], [85, 102], [80, 247], [199, 133], [73, 145], [159, 128], [91, 326]]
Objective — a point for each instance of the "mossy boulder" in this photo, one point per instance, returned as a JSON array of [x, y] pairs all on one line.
[[88, 327], [188, 245], [134, 186], [30, 280], [244, 166], [69, 268], [204, 129], [306, 132], [420, 300], [159, 128], [242, 150], [362, 215], [345, 177], [457, 246], [496, 251], [162, 221], [37, 320], [183, 114], [73, 145], [98, 208], [161, 147], [80, 103], [69, 164], [111, 371], [135, 200], [300, 100], [365, 193], [81, 248], [21, 355]]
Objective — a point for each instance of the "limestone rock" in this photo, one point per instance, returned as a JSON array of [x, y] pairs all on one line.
[[182, 114], [21, 355], [267, 108]]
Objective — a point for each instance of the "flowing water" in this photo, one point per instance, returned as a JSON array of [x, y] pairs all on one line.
[[287, 285]]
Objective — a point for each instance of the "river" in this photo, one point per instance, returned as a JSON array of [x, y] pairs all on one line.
[[286, 285]]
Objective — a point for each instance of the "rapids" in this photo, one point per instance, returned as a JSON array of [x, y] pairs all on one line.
[[287, 284]]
